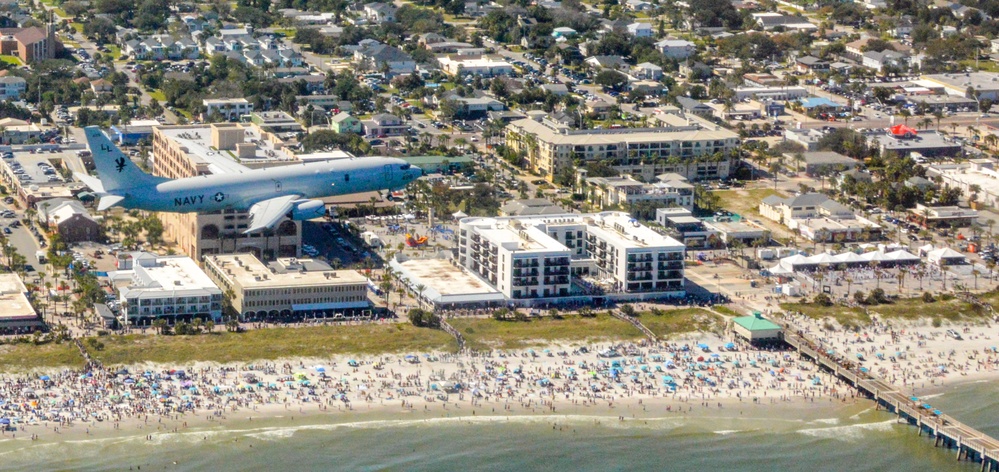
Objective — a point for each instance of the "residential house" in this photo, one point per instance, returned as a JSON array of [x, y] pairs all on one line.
[[101, 86], [384, 125], [819, 218], [676, 48], [598, 108], [806, 64], [885, 59], [384, 58], [12, 87], [563, 32], [770, 21], [160, 47], [606, 62], [640, 30], [556, 89], [638, 5], [344, 122], [647, 71], [380, 12], [689, 105], [313, 83]]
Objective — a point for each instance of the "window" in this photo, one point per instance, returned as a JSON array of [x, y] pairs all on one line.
[[346, 177]]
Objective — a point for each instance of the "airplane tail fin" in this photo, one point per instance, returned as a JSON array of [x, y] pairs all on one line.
[[114, 169]]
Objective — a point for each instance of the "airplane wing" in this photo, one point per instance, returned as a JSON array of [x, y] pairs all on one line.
[[265, 214]]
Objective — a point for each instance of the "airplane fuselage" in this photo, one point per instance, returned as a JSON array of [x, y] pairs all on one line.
[[239, 191]]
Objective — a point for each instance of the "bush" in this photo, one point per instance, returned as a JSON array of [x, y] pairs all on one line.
[[628, 310], [937, 322], [424, 319], [500, 314], [822, 299], [859, 297], [928, 297], [877, 296]]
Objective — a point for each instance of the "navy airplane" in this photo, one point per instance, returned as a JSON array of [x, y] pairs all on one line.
[[267, 194]]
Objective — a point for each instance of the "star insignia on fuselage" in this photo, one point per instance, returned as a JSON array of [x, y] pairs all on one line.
[[219, 197]]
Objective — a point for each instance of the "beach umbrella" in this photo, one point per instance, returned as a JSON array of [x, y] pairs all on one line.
[[702, 346], [4, 421], [926, 406], [915, 399], [45, 378], [937, 412], [129, 381], [715, 356], [730, 346]]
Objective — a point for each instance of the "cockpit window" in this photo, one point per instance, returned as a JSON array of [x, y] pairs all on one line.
[[404, 167]]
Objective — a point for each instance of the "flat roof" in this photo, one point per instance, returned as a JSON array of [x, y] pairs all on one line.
[[197, 140], [925, 139], [988, 81], [616, 227], [527, 239], [169, 274], [249, 272], [14, 304], [735, 227], [622, 135], [443, 279]]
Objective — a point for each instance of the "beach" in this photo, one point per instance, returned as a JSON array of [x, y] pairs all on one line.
[[690, 375]]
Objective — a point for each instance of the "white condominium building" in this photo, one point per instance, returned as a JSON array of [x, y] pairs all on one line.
[[170, 287], [556, 256]]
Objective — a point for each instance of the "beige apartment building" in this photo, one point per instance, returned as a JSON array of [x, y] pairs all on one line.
[[287, 287], [693, 151], [193, 150]]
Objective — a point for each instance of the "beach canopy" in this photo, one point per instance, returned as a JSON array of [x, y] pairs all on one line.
[[45, 378]]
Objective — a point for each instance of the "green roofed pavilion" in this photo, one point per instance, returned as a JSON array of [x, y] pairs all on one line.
[[756, 328]]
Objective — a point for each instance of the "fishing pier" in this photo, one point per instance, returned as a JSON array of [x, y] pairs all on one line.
[[972, 445]]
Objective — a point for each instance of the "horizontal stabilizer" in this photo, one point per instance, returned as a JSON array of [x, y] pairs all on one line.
[[93, 182], [109, 201]]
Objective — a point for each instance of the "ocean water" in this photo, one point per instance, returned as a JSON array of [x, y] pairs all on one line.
[[821, 438]]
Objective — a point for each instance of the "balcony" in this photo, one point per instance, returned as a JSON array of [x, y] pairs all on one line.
[[670, 265]]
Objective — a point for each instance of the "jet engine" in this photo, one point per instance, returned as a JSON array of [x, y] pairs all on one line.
[[307, 210]]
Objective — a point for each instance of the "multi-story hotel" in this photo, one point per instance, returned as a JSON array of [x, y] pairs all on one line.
[[557, 256], [189, 151], [287, 286], [692, 151]]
